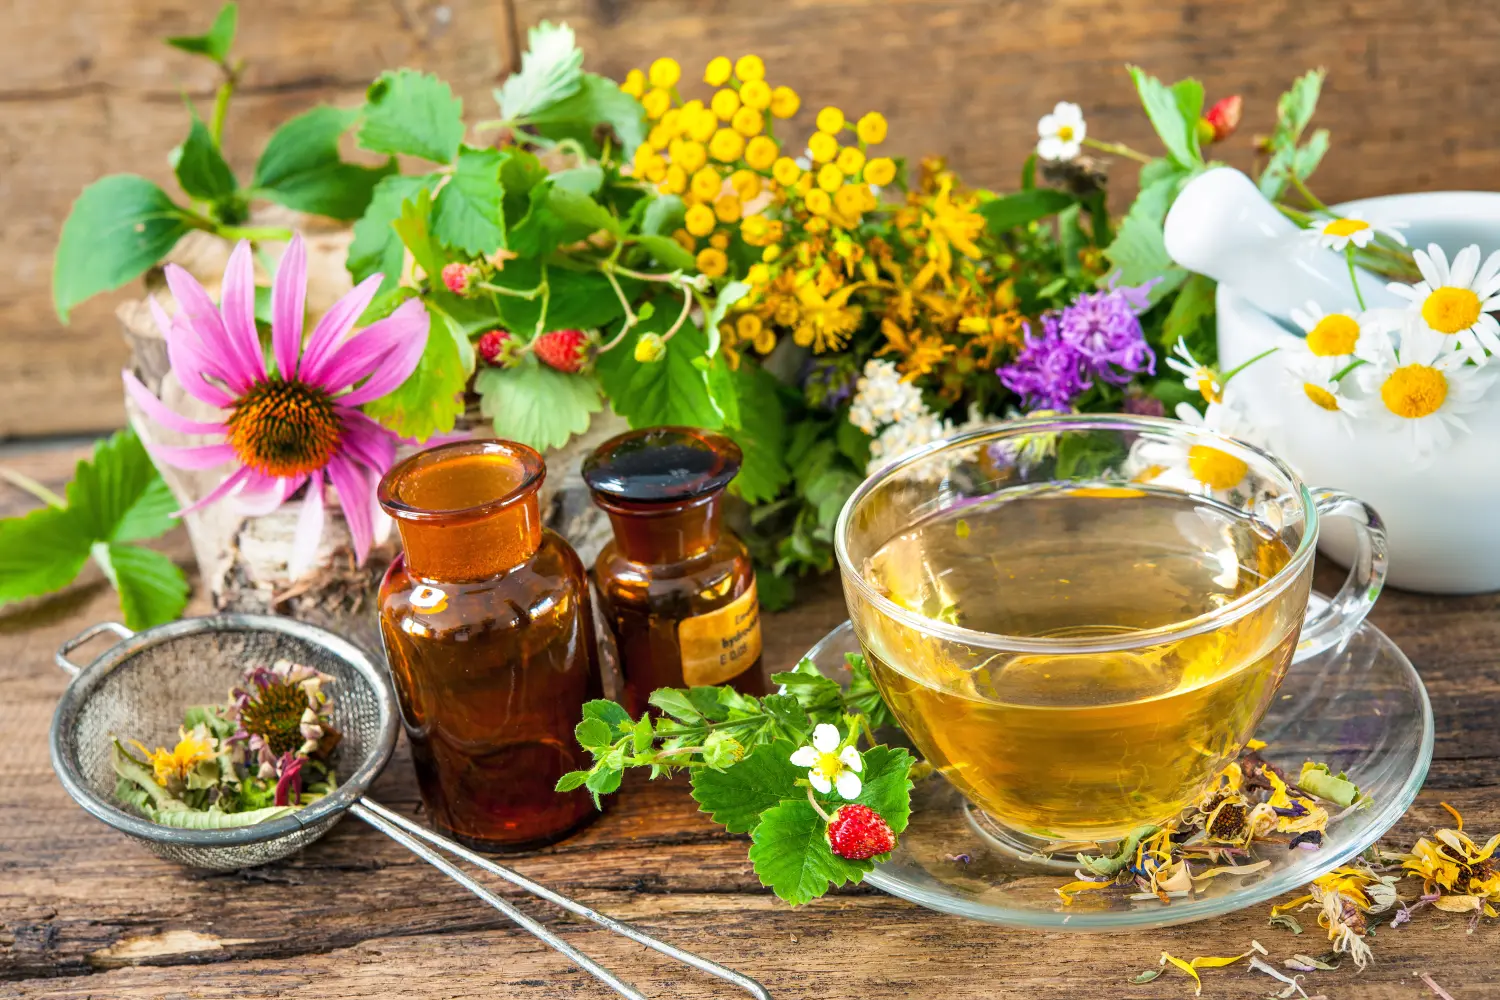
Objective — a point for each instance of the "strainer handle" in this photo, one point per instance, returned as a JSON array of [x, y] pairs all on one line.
[[74, 669], [407, 833]]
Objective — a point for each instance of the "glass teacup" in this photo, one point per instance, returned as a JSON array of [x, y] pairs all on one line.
[[1079, 620]]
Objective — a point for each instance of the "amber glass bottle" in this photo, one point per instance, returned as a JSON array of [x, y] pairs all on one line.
[[677, 589], [487, 628]]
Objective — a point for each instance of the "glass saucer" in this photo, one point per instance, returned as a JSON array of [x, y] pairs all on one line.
[[1361, 709]]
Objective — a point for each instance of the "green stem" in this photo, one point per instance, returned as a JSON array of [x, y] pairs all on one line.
[[826, 818], [22, 481], [1118, 149], [1224, 379], [541, 318], [514, 293], [1348, 368], [630, 319], [254, 233], [1298, 216], [1311, 198], [221, 102], [674, 278], [1354, 278], [687, 307]]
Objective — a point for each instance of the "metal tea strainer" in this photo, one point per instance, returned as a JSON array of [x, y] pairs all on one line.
[[140, 686]]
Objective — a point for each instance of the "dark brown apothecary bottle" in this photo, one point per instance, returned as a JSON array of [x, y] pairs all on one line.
[[676, 588], [487, 628]]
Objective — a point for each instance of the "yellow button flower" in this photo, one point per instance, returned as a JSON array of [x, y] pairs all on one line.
[[725, 103], [849, 201], [707, 183], [770, 253], [785, 102], [726, 145], [818, 201], [644, 154], [656, 170], [672, 121], [759, 274], [786, 171], [823, 147], [656, 103], [699, 220], [850, 160], [727, 208], [760, 152], [700, 123], [685, 240], [635, 84], [805, 182], [658, 137], [749, 68], [880, 171], [871, 128], [690, 155], [831, 121], [748, 122], [830, 178], [756, 94], [712, 261], [717, 73], [753, 229], [765, 343], [748, 325], [776, 230], [746, 184], [665, 73], [675, 182]]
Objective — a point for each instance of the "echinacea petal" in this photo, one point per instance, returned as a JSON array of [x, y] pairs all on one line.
[[367, 442], [386, 353], [262, 494], [848, 784], [826, 738], [356, 496], [199, 314], [204, 456], [804, 757], [229, 484], [309, 529], [333, 327], [163, 414], [238, 310], [189, 361], [288, 303]]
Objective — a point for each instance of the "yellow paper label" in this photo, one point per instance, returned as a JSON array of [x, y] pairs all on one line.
[[721, 644]]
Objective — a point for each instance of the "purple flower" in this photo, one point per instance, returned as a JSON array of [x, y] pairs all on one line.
[[829, 382], [1098, 336]]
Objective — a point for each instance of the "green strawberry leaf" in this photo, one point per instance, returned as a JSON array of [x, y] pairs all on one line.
[[413, 114], [431, 398], [537, 405], [664, 215], [1138, 250], [610, 713], [598, 101], [152, 588], [200, 167], [736, 796], [761, 435], [790, 853], [1193, 305], [671, 391], [863, 696], [572, 205], [40, 553], [667, 251], [1169, 109], [728, 296], [1001, 215], [118, 227], [467, 215], [377, 248], [216, 43], [551, 70], [117, 494], [414, 227], [301, 168], [576, 300]]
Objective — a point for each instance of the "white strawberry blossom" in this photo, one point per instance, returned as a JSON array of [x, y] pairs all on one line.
[[831, 767]]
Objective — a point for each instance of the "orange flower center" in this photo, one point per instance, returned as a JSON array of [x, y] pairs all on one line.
[[285, 429], [1449, 310], [1214, 468], [1345, 227], [1333, 335], [1414, 391], [1321, 396]]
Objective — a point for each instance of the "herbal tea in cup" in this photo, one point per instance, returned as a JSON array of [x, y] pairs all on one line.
[[1076, 631]]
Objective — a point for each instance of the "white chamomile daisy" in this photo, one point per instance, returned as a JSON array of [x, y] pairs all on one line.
[[830, 767], [1337, 234], [1171, 460], [1200, 378], [1316, 378], [1329, 335], [1061, 134], [1457, 301], [1420, 385]]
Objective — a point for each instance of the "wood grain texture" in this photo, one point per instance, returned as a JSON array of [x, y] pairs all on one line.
[[96, 92], [85, 913]]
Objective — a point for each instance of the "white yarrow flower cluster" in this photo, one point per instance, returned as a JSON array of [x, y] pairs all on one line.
[[880, 397]]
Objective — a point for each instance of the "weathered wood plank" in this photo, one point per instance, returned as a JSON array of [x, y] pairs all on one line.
[[97, 92]]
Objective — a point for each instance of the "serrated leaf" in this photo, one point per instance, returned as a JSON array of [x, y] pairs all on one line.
[[580, 209], [603, 781], [152, 588], [117, 495], [641, 735], [784, 708], [200, 166], [468, 214], [578, 300], [413, 114], [821, 697], [1165, 107], [520, 172], [1294, 109], [551, 69], [1138, 250], [301, 168], [885, 784], [664, 215], [1004, 214], [608, 712], [377, 248], [789, 850], [667, 251], [675, 703], [414, 227], [761, 435], [736, 796], [1189, 95], [40, 553], [430, 401], [1310, 154], [593, 734], [1194, 304], [117, 228], [597, 101], [537, 405], [571, 780], [584, 180], [217, 41], [672, 391]]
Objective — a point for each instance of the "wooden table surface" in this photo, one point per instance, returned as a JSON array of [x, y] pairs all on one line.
[[85, 913]]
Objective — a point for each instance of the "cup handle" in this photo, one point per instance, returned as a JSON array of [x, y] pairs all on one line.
[[1336, 622]]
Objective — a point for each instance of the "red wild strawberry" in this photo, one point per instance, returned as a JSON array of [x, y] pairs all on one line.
[[565, 350], [858, 833], [1224, 117], [459, 277], [497, 348]]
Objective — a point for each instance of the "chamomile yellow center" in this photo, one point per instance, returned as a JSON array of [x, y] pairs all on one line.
[[1333, 335], [1345, 227], [1414, 391], [1208, 386], [285, 429], [1214, 468], [1449, 310], [1065, 133], [1320, 396]]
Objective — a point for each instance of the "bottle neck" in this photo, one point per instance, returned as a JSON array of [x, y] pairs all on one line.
[[457, 550], [665, 533]]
